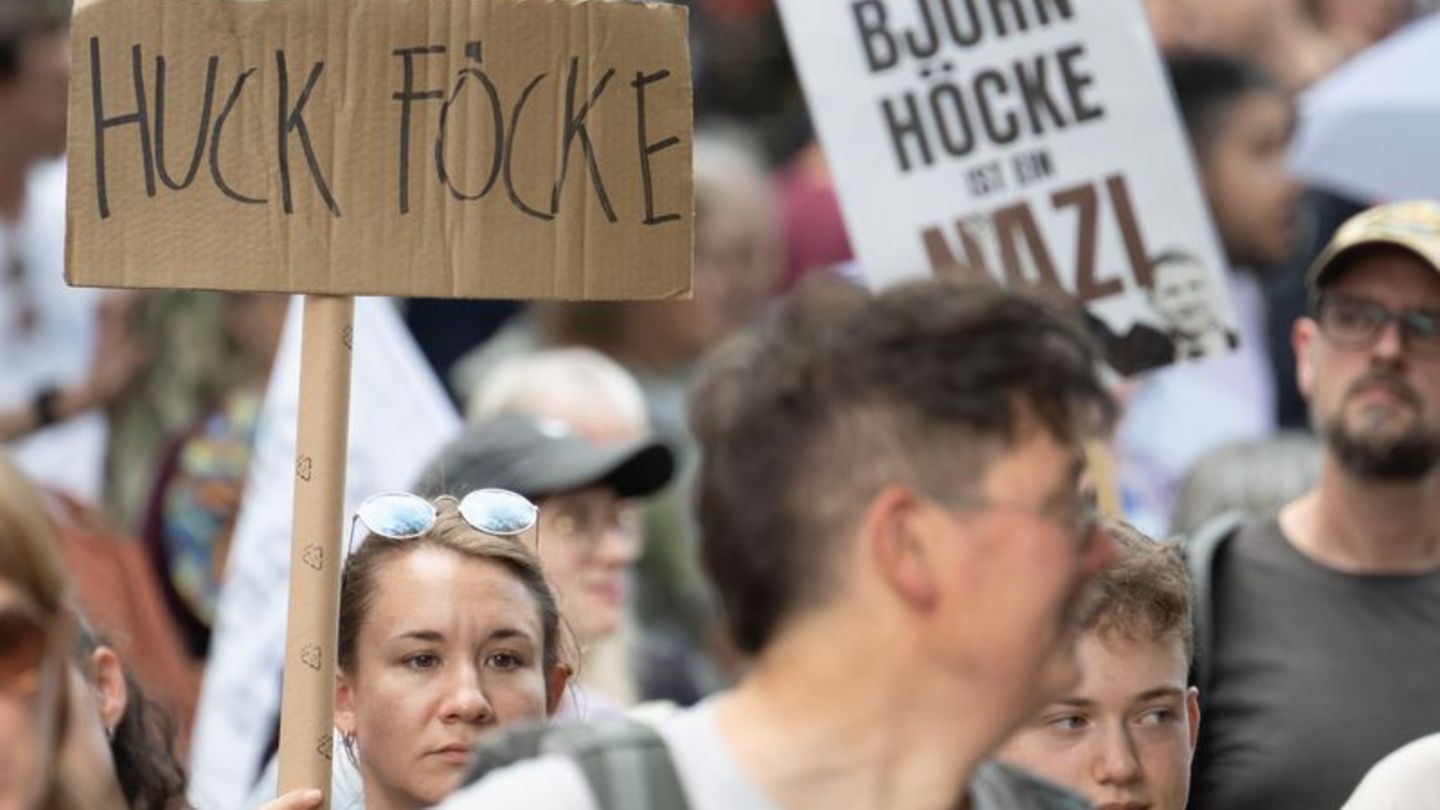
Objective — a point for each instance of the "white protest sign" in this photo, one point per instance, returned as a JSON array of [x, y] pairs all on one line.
[[1032, 141]]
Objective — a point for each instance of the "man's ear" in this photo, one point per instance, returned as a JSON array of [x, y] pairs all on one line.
[[1302, 339], [1192, 711], [555, 687], [344, 704], [111, 693], [896, 530]]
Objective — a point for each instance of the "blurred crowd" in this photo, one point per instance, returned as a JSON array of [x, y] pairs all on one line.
[[140, 416]]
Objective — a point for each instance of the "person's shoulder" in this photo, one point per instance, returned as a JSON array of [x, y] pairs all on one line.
[[546, 782], [1409, 777], [1002, 787]]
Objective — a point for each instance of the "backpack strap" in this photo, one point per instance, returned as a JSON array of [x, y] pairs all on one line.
[[1201, 549], [624, 761], [626, 764]]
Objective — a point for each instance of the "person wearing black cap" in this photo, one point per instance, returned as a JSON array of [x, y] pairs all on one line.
[[1321, 623], [586, 490]]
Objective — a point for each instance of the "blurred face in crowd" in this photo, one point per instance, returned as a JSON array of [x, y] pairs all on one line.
[[451, 648], [1181, 295], [1251, 193], [33, 101], [1124, 737], [30, 695], [1031, 549], [1375, 393], [588, 541], [737, 268]]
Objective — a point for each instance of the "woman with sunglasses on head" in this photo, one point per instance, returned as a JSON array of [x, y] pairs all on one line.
[[444, 635], [447, 631]]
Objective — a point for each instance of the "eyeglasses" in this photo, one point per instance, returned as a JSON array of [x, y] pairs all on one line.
[[405, 515], [1355, 323], [24, 640], [1078, 518], [587, 524]]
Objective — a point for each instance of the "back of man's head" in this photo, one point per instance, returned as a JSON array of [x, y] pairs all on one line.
[[806, 417]]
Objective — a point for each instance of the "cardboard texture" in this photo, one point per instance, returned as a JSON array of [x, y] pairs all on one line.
[[447, 148], [1101, 464], [307, 702]]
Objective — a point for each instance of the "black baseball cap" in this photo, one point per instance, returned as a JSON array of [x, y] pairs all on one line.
[[542, 457]]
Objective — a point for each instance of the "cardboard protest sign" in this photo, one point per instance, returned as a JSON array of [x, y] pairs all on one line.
[[1030, 141], [442, 148]]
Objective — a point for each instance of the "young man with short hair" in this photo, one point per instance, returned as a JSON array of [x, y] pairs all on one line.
[[1124, 737], [892, 519]]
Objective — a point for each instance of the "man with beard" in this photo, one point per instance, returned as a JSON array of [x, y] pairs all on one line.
[[1324, 621]]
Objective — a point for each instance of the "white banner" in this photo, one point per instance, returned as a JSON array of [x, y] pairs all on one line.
[[1032, 141], [400, 417]]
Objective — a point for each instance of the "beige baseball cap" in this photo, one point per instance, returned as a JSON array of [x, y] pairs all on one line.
[[1413, 225]]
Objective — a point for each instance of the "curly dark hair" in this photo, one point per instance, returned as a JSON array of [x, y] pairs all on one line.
[[149, 774]]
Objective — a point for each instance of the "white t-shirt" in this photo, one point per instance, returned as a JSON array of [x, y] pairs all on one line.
[[47, 332], [1408, 779], [711, 777]]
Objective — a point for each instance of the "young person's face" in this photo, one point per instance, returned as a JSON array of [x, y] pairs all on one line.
[[30, 675], [1124, 737], [588, 540], [451, 648], [1248, 185]]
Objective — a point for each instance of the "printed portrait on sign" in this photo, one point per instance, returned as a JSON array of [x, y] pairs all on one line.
[[1186, 319]]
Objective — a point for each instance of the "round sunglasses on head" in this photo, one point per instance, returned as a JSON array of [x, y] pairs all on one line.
[[404, 515]]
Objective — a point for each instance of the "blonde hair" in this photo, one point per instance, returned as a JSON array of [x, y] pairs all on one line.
[[563, 384]]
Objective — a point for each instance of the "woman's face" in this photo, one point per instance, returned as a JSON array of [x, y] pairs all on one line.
[[452, 647], [31, 676], [588, 541]]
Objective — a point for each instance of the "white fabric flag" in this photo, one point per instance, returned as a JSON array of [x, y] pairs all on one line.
[[399, 418]]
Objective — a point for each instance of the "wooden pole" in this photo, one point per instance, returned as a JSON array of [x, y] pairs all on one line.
[[306, 708], [1102, 472]]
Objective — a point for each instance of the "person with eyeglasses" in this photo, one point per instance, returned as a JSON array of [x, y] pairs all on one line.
[[1323, 620], [891, 510], [589, 492]]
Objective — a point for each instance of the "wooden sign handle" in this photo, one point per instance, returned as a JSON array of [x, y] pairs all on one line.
[[1101, 462], [306, 709]]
